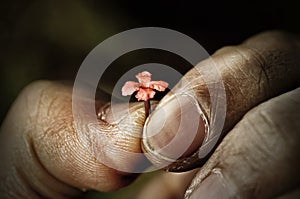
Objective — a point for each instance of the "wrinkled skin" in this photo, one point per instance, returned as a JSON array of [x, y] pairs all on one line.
[[258, 158]]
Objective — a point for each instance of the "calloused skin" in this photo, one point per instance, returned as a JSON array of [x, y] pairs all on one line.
[[42, 156]]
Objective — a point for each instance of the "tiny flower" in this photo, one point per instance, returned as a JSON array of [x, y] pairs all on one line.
[[144, 87]]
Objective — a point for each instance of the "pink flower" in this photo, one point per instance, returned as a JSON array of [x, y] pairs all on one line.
[[144, 87]]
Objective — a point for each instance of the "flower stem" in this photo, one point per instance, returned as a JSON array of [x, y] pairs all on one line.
[[147, 107]]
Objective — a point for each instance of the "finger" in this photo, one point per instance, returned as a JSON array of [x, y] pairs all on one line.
[[259, 157], [168, 185], [291, 195], [43, 155], [186, 119]]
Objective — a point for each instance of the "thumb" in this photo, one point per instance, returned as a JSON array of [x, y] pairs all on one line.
[[185, 124], [43, 156], [259, 158]]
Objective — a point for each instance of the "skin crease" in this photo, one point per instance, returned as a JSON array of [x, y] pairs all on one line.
[[43, 157], [260, 68], [265, 162], [47, 158]]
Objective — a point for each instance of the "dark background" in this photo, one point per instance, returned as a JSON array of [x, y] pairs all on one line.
[[49, 39]]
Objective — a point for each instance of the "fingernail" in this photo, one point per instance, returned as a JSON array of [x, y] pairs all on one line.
[[213, 187], [175, 129]]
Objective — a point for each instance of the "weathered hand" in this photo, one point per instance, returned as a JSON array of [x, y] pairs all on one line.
[[259, 156], [43, 157], [41, 154]]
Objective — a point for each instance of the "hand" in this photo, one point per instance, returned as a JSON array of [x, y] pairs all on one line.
[[42, 156], [259, 156]]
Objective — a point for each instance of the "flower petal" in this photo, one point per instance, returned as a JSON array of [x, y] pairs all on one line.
[[142, 95], [151, 93], [159, 85], [130, 87], [144, 77], [145, 94]]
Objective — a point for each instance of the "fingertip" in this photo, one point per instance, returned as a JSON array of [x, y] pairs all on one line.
[[174, 131]]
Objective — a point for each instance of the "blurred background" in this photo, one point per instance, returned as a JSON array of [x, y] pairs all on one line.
[[49, 39]]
